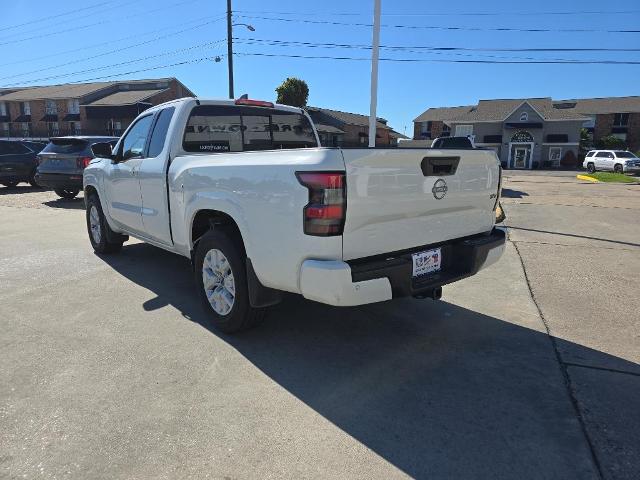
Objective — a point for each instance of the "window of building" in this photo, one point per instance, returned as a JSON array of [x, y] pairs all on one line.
[[52, 128], [555, 153], [3, 108], [464, 130], [25, 128], [620, 119], [25, 108], [557, 138], [522, 136], [524, 116], [74, 128], [446, 130], [114, 128], [51, 108], [5, 129], [492, 139], [620, 135], [425, 129], [73, 106]]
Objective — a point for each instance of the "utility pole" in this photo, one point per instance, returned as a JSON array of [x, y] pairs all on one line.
[[230, 48], [375, 54]]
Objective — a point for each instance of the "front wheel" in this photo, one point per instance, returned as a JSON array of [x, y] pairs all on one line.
[[67, 193], [98, 228], [591, 168], [221, 278]]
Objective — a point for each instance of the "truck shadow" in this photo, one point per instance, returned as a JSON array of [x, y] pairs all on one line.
[[437, 390]]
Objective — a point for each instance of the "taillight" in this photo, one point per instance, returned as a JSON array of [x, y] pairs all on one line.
[[324, 215], [82, 162]]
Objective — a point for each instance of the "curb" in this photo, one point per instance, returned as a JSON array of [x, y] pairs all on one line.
[[588, 179]]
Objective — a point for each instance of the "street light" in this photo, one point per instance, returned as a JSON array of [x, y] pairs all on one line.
[[230, 44]]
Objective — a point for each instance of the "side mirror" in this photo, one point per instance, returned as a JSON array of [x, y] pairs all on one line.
[[102, 150]]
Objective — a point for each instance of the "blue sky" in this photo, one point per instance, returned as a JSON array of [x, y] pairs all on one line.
[[173, 31]]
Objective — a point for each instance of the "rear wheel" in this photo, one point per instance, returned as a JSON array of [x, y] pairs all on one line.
[[618, 168], [220, 270], [67, 193], [98, 228], [32, 181], [10, 184], [591, 168]]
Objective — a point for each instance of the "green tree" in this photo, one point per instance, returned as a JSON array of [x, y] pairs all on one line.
[[611, 143], [586, 141], [294, 92]]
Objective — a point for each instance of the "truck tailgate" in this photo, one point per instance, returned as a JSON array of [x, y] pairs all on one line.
[[404, 198]]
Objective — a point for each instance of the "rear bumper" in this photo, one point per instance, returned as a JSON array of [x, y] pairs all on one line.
[[383, 277], [59, 180]]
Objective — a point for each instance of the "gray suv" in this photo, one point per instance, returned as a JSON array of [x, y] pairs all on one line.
[[63, 160]]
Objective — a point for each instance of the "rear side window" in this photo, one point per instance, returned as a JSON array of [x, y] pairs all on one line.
[[590, 154], [13, 148], [623, 154], [66, 146], [215, 128], [156, 144]]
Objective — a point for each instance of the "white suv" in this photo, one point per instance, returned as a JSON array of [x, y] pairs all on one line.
[[618, 161]]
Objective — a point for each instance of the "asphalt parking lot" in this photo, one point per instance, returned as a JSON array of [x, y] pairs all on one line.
[[531, 369]]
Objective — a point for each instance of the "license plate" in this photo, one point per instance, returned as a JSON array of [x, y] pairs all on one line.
[[426, 262]]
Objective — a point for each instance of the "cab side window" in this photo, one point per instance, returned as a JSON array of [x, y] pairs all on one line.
[[159, 135], [134, 142]]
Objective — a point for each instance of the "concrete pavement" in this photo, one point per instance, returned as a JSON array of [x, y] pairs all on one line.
[[109, 372]]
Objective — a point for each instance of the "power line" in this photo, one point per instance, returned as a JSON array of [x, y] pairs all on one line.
[[128, 62], [418, 60], [128, 47], [51, 17], [185, 62], [438, 27], [95, 45], [467, 49], [447, 14], [82, 27]]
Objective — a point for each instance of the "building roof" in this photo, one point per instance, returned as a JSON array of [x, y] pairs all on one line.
[[498, 111], [349, 118], [327, 128], [71, 90], [128, 97], [593, 106]]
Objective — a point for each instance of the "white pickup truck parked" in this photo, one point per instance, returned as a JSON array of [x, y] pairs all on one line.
[[245, 191]]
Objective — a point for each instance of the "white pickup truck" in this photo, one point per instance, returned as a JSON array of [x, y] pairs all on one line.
[[244, 189]]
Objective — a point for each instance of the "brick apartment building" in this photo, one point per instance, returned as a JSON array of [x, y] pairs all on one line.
[[344, 129], [535, 132], [101, 108]]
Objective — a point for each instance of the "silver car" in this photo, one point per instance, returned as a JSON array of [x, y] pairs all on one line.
[[619, 161]]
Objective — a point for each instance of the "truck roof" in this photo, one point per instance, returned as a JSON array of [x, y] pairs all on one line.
[[229, 102]]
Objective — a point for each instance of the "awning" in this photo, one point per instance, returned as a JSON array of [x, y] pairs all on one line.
[[71, 117], [23, 118], [49, 117]]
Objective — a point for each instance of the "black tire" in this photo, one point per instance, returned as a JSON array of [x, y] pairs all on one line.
[[101, 244], [591, 168], [67, 193], [10, 184], [32, 181], [242, 315], [618, 169]]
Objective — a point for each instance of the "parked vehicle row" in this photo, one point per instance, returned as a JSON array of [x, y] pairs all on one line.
[[619, 161], [57, 164], [245, 191], [18, 161]]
